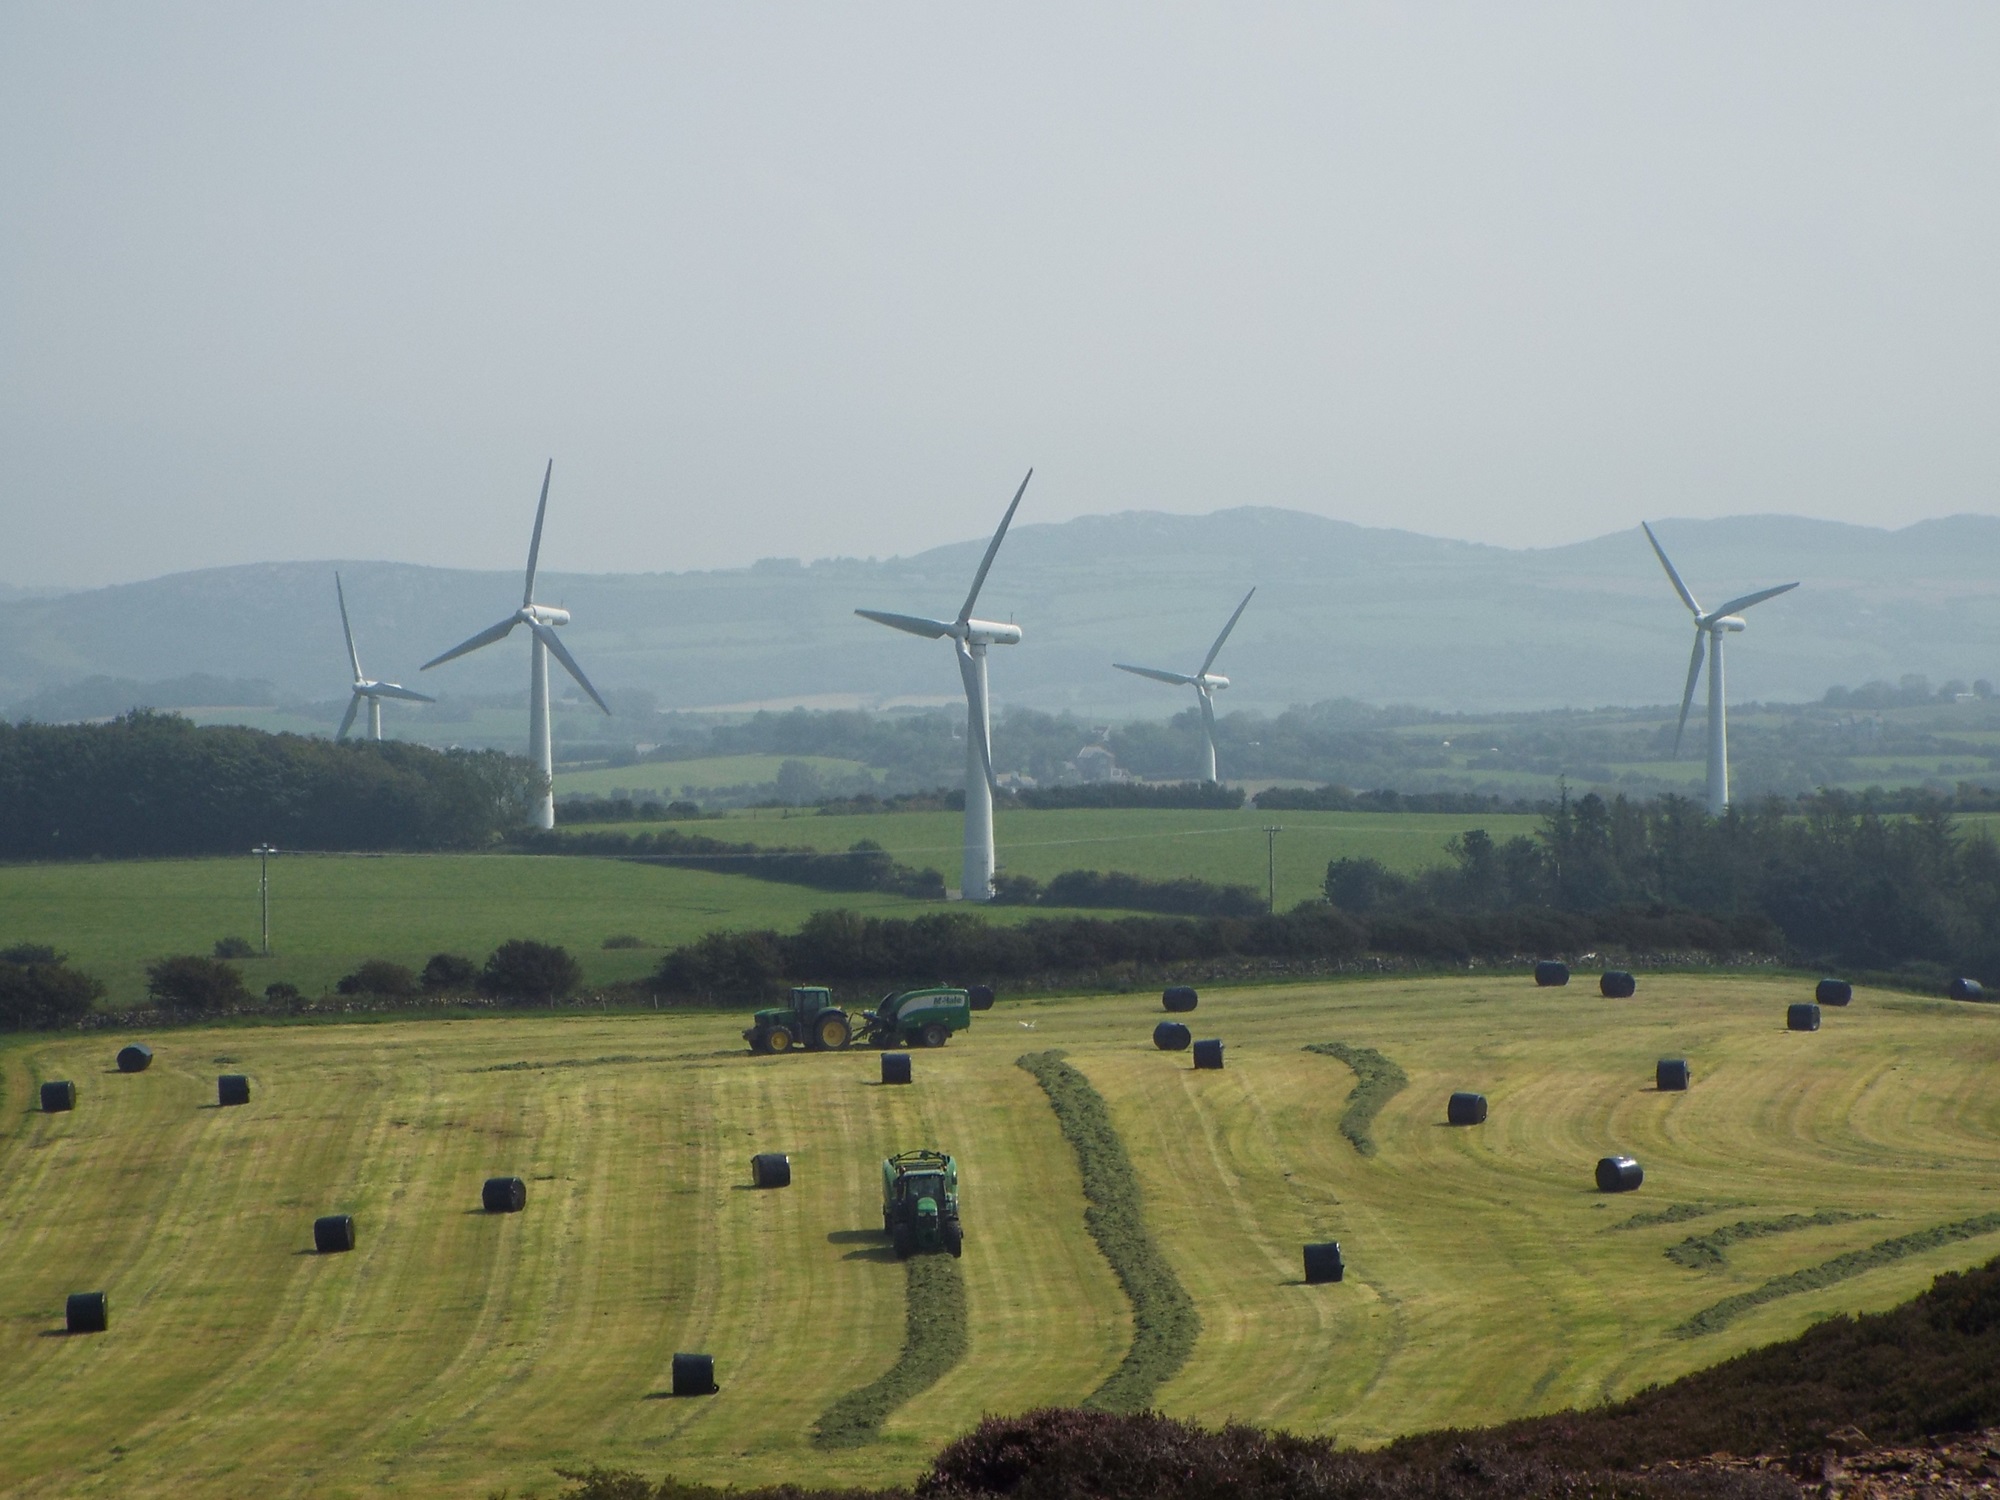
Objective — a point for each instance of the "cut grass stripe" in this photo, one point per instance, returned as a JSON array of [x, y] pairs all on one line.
[[933, 1341], [1673, 1213], [1703, 1252], [1812, 1278], [1377, 1082], [1165, 1324]]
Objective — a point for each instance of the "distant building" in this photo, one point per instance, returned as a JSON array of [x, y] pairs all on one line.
[[1096, 763]]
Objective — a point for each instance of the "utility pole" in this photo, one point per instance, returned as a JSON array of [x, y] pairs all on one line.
[[264, 853], [1271, 868]]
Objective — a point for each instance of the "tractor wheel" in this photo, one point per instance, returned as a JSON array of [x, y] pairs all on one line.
[[936, 1034], [906, 1241], [777, 1039], [954, 1238], [832, 1032]]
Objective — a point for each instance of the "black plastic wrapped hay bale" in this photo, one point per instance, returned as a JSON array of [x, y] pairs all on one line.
[[1323, 1263], [1208, 1054], [1619, 1174], [333, 1233], [232, 1088], [87, 1312], [771, 1169], [504, 1195], [58, 1096], [135, 1058], [1466, 1109], [1671, 1076], [694, 1375], [1966, 989], [1833, 992], [1616, 984], [1550, 974], [895, 1067], [1803, 1016], [1171, 1036], [979, 997], [1180, 997]]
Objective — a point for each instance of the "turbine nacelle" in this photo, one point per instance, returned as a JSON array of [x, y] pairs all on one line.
[[987, 633], [545, 614], [1725, 622], [1211, 682]]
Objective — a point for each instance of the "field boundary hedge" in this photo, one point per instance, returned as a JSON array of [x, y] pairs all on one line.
[[1377, 1081], [934, 1340], [1715, 1318], [1165, 1324]]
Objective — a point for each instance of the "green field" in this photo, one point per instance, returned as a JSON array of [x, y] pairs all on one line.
[[671, 778], [330, 912], [457, 1354], [1225, 847]]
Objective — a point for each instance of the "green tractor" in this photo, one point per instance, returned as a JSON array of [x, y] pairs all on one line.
[[920, 1203], [917, 1018], [809, 1019]]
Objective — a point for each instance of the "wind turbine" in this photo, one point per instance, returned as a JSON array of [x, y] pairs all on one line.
[[970, 638], [1709, 629], [373, 692], [1205, 684], [541, 621]]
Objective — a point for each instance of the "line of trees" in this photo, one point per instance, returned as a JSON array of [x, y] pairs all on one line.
[[1833, 877], [156, 784], [863, 866]]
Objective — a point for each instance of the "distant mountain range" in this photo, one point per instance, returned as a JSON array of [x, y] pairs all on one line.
[[1341, 611]]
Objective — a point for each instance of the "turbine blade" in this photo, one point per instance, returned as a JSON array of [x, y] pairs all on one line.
[[535, 546], [1207, 712], [397, 690], [1757, 598], [1679, 587], [353, 708], [975, 717], [915, 624], [547, 636], [1178, 679], [485, 637], [1694, 676], [346, 630], [986, 562], [1216, 649]]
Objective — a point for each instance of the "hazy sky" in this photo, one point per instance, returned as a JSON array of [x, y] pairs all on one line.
[[292, 281]]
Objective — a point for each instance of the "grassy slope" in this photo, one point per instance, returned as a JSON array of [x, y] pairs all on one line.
[[328, 913], [1227, 847], [455, 1354]]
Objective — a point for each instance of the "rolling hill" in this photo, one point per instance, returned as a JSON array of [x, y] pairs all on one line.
[[1342, 611]]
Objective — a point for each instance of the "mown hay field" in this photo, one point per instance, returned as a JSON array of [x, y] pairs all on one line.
[[455, 1353]]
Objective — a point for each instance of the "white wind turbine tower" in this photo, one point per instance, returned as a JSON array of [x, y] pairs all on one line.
[[971, 637], [372, 692], [1205, 684], [1709, 629], [541, 621]]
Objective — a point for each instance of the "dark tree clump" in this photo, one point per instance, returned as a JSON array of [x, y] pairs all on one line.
[[529, 971], [377, 976], [38, 989], [189, 982], [450, 974]]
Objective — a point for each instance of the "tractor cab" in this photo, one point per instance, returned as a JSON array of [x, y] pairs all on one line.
[[920, 1203]]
